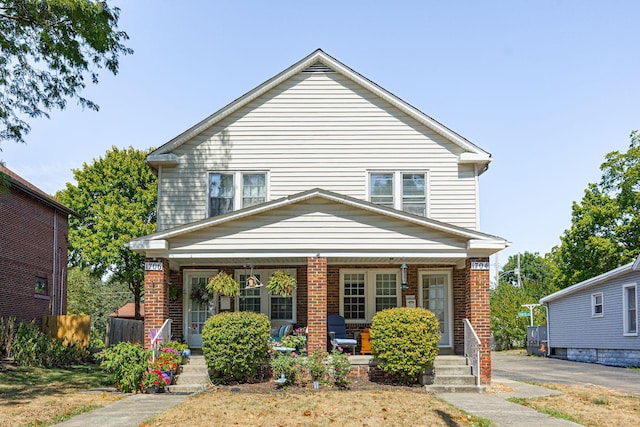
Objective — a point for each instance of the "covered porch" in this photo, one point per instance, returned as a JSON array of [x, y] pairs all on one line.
[[347, 257]]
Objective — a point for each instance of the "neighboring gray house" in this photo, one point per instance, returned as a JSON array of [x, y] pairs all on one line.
[[597, 320]]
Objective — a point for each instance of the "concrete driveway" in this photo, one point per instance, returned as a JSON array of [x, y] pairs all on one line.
[[541, 369]]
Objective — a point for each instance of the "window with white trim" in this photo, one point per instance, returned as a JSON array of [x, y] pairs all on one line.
[[259, 300], [365, 292], [405, 191], [229, 191], [597, 305], [630, 310]]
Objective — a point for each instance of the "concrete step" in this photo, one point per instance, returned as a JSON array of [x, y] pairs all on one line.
[[191, 379], [434, 388], [445, 370], [449, 360], [186, 388], [454, 380]]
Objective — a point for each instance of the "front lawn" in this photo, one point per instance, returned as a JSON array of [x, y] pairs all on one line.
[[40, 397]]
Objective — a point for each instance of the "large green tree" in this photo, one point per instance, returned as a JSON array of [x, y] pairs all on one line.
[[507, 298], [116, 197], [605, 225], [48, 50], [94, 297]]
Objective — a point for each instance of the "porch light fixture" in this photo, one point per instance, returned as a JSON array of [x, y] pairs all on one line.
[[403, 269]]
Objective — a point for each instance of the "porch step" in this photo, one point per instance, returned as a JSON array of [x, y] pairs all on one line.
[[453, 375], [193, 376]]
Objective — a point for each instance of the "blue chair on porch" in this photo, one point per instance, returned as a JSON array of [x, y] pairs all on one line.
[[337, 330]]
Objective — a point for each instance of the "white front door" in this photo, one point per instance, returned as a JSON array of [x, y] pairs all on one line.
[[435, 296], [198, 308]]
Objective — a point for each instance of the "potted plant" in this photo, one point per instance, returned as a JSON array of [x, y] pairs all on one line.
[[154, 381], [223, 284], [282, 283]]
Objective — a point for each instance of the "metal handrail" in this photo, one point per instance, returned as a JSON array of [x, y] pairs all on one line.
[[472, 349], [163, 335]]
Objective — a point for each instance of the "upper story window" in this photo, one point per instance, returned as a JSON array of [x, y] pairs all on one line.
[[42, 286], [229, 191], [405, 191]]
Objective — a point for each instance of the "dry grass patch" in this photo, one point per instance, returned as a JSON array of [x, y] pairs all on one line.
[[318, 408], [39, 397], [589, 406]]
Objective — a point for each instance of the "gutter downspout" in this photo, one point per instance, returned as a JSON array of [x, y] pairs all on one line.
[[546, 307], [54, 273]]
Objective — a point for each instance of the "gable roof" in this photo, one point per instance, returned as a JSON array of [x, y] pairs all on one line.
[[477, 240], [320, 61], [627, 268], [15, 181]]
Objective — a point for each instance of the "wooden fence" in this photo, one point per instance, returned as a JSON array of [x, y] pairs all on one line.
[[119, 330], [69, 328]]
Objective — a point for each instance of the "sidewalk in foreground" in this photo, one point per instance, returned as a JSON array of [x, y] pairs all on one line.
[[495, 407], [137, 408], [128, 412]]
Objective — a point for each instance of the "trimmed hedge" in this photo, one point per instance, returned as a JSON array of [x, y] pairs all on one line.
[[405, 342], [234, 345]]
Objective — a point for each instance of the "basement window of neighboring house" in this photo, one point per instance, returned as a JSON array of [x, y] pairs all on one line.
[[630, 304], [230, 191], [365, 292], [405, 191], [597, 305], [42, 287]]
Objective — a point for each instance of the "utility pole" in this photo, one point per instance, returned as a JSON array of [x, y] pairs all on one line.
[[531, 307], [518, 273]]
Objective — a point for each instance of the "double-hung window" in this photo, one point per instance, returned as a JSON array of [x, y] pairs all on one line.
[[405, 191], [259, 300], [229, 191], [630, 309], [597, 305], [365, 292]]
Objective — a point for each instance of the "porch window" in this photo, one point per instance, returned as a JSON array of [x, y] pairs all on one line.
[[597, 305], [630, 301], [231, 191], [249, 299], [365, 292], [259, 300], [405, 191]]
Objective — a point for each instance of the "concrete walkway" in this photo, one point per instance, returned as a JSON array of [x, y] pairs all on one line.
[[495, 407], [128, 412]]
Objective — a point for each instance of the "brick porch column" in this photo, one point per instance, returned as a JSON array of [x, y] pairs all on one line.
[[479, 314], [317, 304], [156, 298]]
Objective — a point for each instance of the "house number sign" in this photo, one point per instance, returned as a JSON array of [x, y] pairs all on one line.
[[153, 266], [483, 266]]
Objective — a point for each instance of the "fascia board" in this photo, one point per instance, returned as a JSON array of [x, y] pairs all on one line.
[[588, 283]]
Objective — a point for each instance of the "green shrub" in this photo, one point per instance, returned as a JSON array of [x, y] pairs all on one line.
[[8, 328], [405, 341], [316, 366], [234, 345], [291, 366], [127, 363], [339, 367], [30, 347]]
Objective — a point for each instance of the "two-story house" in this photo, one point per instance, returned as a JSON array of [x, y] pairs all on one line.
[[33, 251], [369, 202]]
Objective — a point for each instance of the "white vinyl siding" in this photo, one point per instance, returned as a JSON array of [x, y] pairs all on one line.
[[317, 225], [318, 130], [364, 292], [630, 310]]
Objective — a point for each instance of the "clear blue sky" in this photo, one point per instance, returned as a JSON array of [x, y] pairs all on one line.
[[547, 87]]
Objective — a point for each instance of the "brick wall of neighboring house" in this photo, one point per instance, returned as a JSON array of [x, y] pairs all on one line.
[[28, 249]]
